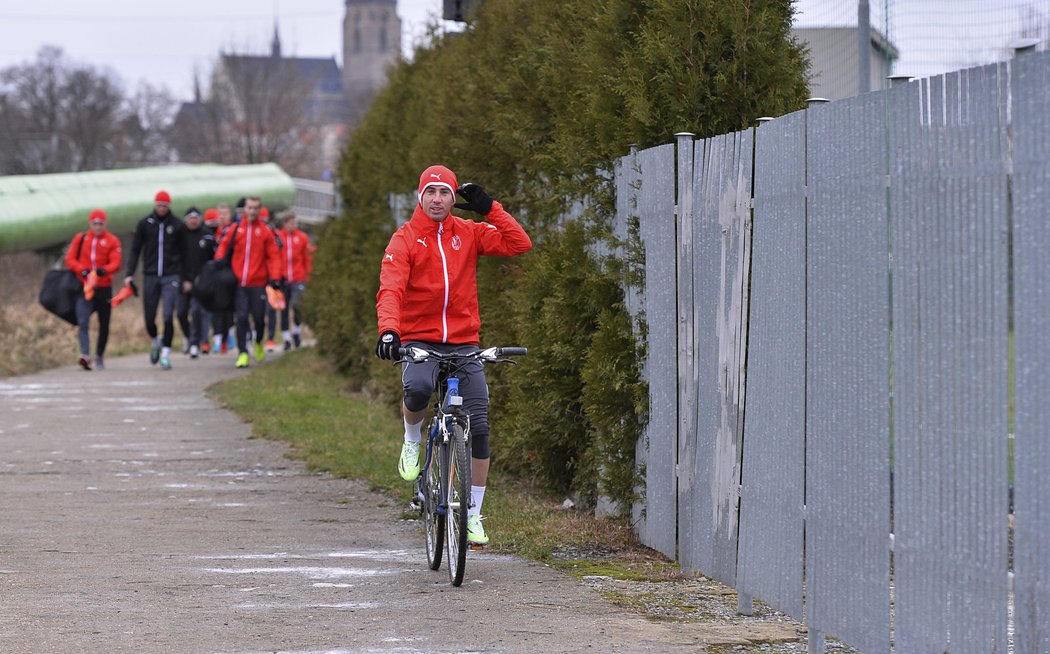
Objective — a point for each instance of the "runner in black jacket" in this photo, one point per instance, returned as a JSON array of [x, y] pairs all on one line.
[[194, 319], [160, 238]]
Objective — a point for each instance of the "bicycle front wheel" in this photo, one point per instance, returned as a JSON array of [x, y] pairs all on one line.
[[458, 496], [433, 520]]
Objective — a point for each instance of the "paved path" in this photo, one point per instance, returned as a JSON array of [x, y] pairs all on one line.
[[136, 515]]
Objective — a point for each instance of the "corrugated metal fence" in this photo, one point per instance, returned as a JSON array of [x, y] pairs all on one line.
[[848, 269]]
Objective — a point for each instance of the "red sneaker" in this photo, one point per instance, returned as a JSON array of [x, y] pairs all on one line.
[[223, 349], [205, 347]]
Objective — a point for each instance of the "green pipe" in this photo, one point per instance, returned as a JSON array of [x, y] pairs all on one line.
[[43, 211]]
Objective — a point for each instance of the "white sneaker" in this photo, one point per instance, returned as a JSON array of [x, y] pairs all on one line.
[[194, 351]]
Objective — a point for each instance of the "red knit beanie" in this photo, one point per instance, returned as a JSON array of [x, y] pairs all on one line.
[[437, 176], [162, 198], [97, 214]]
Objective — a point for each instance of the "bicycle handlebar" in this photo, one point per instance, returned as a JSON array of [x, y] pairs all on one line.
[[418, 354]]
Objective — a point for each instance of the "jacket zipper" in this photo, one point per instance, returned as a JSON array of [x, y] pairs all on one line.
[[247, 256], [289, 242], [444, 271], [160, 249]]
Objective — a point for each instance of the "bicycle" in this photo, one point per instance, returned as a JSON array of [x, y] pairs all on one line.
[[445, 486]]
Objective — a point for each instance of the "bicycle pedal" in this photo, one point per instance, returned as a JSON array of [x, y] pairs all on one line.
[[477, 547]]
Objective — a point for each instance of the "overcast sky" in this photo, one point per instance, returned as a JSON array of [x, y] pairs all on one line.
[[165, 42]]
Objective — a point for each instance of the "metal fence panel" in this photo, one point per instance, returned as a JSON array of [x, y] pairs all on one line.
[[626, 181], [656, 215], [690, 162], [710, 468], [948, 222], [1031, 193], [771, 494], [847, 383]]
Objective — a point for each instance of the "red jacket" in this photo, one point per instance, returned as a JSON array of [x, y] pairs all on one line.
[[428, 287], [102, 251], [256, 259], [297, 256]]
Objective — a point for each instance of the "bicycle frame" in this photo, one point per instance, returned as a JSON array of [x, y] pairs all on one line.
[[446, 410]]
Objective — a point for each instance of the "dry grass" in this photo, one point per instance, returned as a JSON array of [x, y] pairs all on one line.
[[32, 339]]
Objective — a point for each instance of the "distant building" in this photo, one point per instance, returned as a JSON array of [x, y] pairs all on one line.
[[459, 10], [834, 61], [258, 91], [371, 45]]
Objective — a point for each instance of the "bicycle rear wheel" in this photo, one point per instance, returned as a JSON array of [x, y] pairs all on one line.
[[458, 496], [434, 522]]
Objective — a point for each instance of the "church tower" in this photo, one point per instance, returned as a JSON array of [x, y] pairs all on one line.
[[371, 45]]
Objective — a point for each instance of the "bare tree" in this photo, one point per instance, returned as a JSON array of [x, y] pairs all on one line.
[[59, 117], [55, 117], [146, 127]]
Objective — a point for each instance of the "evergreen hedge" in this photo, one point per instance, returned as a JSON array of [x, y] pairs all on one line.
[[535, 101]]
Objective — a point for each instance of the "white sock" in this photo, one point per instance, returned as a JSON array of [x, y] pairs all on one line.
[[287, 336], [295, 330], [165, 352], [477, 495], [413, 433]]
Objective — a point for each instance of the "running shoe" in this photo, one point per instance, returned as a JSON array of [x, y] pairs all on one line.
[[205, 346], [287, 345], [165, 363], [194, 351], [85, 363], [475, 532], [154, 353], [408, 464], [99, 365], [260, 353], [297, 340], [242, 360], [271, 346]]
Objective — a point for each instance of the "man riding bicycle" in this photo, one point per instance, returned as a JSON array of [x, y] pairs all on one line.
[[428, 294]]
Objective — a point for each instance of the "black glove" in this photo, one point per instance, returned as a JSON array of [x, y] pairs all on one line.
[[388, 345], [478, 200], [101, 272], [275, 284]]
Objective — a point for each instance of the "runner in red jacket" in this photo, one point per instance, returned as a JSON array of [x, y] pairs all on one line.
[[297, 262], [94, 256], [428, 293], [256, 262]]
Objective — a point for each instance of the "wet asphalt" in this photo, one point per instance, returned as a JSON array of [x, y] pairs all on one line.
[[137, 515]]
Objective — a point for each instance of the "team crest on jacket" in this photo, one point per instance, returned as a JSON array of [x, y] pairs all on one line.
[[456, 242], [169, 229]]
